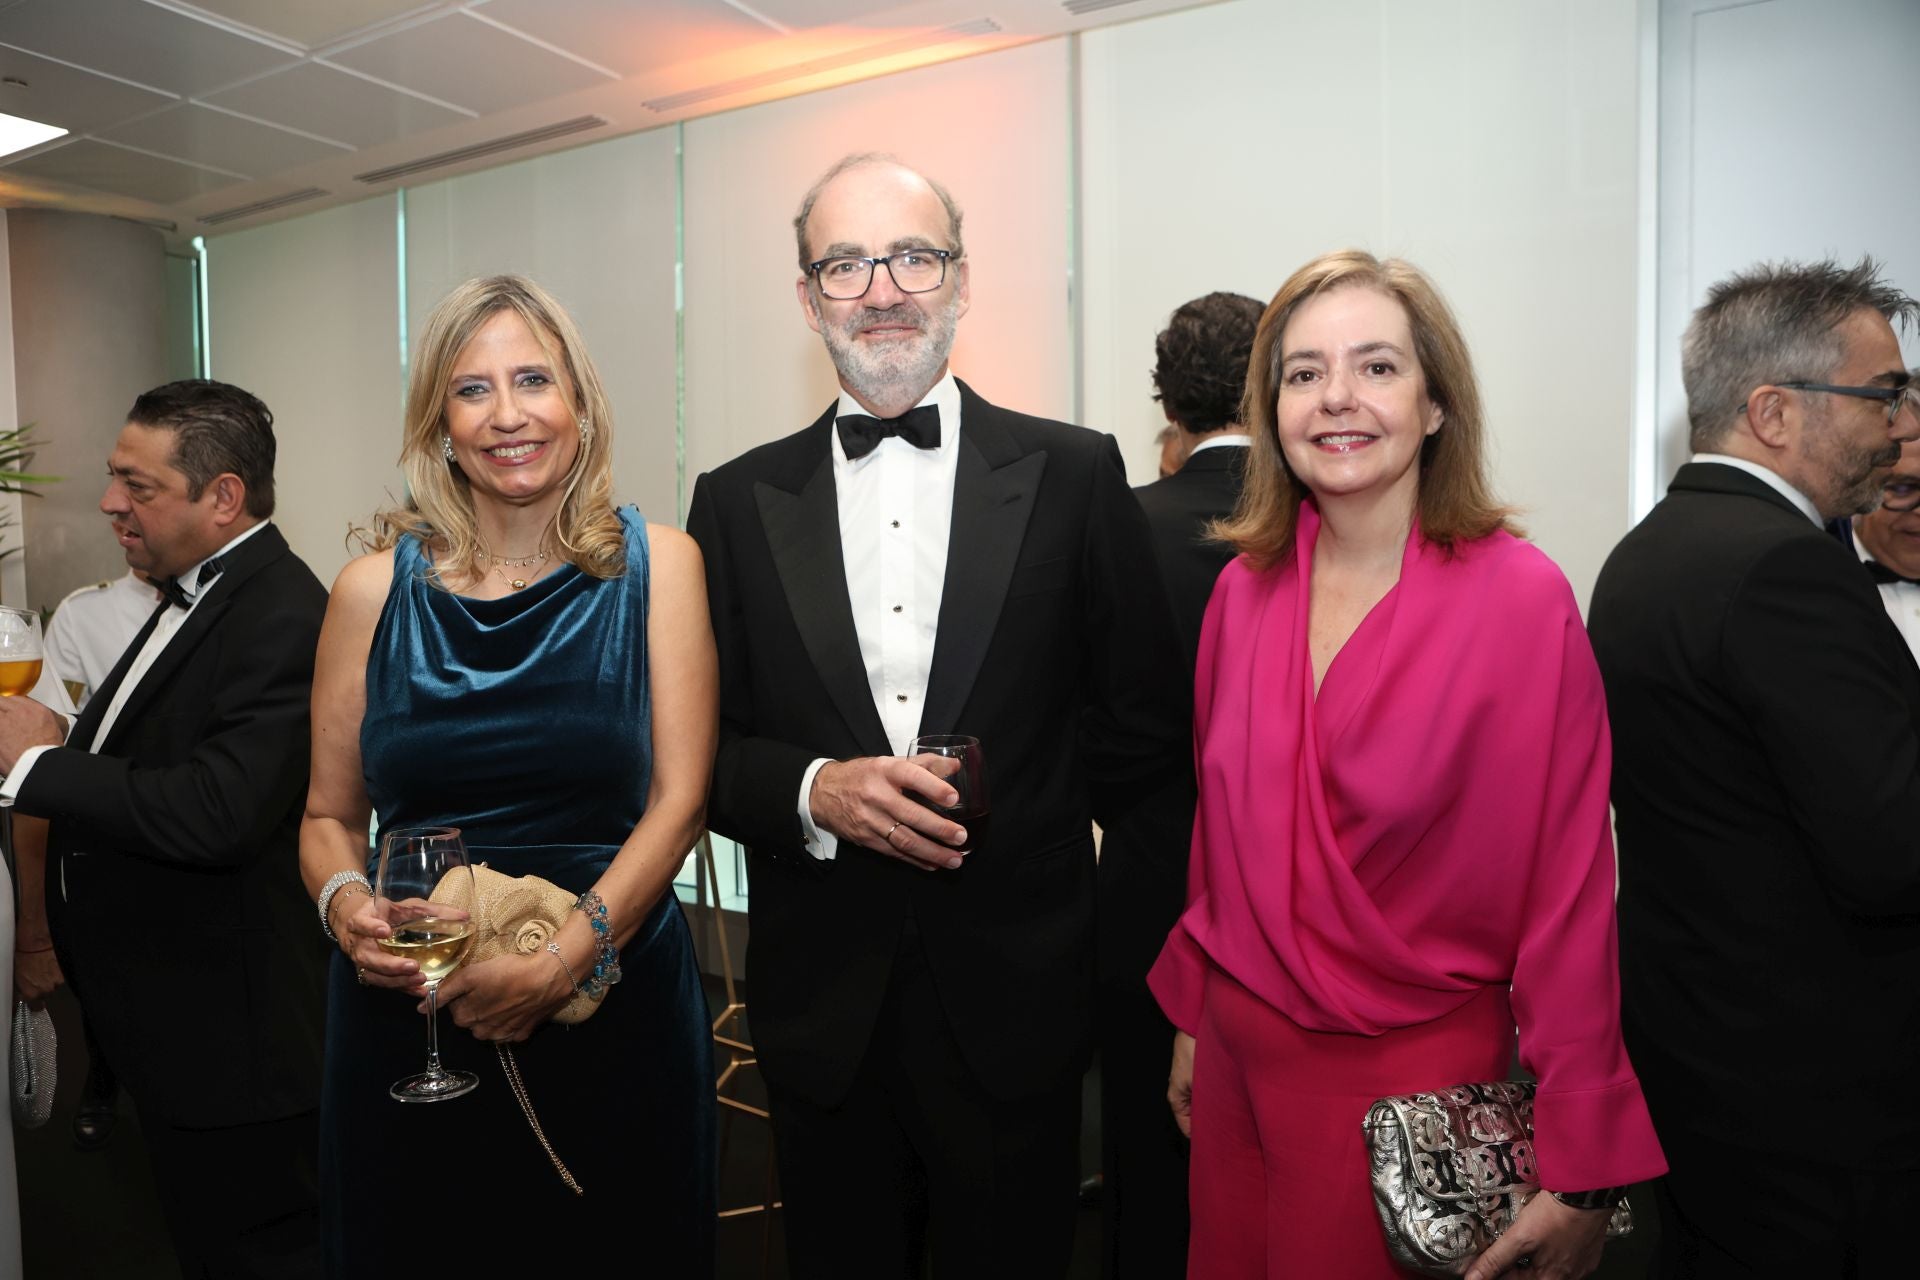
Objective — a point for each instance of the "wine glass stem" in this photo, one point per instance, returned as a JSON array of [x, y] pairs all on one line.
[[433, 1032]]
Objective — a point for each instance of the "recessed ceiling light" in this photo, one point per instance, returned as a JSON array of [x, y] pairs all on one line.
[[17, 134]]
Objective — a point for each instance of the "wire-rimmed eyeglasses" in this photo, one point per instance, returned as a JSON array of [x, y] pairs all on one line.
[[1896, 398], [913, 271]]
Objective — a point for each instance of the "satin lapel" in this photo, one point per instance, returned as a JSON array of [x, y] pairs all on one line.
[[994, 488], [803, 532], [249, 558], [87, 723]]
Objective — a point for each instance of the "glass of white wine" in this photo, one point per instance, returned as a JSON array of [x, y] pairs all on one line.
[[424, 890]]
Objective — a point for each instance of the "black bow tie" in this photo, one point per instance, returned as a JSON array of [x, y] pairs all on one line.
[[918, 426], [177, 595], [1883, 575]]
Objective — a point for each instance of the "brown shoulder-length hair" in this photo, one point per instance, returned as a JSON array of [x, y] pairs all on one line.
[[439, 505], [1455, 501]]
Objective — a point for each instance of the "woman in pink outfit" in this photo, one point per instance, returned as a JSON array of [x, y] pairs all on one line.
[[1402, 848]]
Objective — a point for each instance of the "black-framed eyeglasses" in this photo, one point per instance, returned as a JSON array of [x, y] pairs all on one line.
[[1895, 397], [1900, 493], [913, 271]]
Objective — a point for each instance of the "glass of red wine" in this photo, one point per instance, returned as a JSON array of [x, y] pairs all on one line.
[[974, 808]]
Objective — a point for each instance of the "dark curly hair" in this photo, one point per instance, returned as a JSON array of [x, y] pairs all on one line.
[[1201, 369]]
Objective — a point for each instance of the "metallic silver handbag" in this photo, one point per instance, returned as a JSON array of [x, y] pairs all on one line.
[[1452, 1169], [33, 1065]]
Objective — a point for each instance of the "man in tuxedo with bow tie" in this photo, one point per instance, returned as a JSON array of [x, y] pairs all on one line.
[[1766, 778], [175, 804], [920, 561], [1887, 540]]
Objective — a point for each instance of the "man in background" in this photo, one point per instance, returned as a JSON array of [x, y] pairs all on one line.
[[175, 805], [1887, 540], [1199, 376], [1766, 777], [88, 632]]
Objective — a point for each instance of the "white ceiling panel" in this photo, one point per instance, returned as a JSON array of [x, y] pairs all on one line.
[[73, 99], [628, 37], [312, 23], [470, 63], [333, 104], [101, 167], [209, 137], [802, 14], [137, 41]]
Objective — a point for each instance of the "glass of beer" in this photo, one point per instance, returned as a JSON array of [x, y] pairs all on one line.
[[20, 651], [424, 890]]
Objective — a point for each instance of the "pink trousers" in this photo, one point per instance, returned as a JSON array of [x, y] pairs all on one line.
[[1278, 1181]]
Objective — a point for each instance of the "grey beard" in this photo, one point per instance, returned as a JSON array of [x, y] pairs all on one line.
[[878, 376]]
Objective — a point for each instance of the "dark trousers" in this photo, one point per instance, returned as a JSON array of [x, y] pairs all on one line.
[[1143, 1157], [920, 1160], [241, 1202], [1729, 1213]]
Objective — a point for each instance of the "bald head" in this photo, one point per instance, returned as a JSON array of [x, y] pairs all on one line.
[[881, 167]]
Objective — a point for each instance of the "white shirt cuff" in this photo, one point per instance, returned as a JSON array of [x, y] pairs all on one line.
[[821, 844], [17, 778]]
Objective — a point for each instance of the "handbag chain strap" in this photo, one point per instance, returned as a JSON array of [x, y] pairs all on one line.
[[512, 1070]]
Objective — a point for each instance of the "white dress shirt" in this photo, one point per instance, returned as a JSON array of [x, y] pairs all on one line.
[[896, 513], [1902, 599], [168, 626], [1772, 478], [1232, 440]]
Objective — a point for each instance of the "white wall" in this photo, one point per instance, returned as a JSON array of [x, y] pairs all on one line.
[[306, 315], [1491, 142], [992, 129], [1787, 131], [595, 226]]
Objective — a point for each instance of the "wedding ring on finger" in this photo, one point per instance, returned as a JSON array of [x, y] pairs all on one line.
[[1523, 1263], [360, 973], [890, 830]]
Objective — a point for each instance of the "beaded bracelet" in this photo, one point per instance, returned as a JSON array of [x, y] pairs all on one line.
[[339, 881], [606, 960]]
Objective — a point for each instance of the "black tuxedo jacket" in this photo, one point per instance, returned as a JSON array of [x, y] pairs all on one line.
[[193, 941], [1054, 649], [1179, 508], [1766, 733]]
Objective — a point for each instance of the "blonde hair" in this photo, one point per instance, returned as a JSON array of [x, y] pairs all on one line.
[[439, 504], [1455, 501]]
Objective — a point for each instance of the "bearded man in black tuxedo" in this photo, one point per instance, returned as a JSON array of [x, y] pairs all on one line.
[[921, 561], [175, 805], [1766, 774]]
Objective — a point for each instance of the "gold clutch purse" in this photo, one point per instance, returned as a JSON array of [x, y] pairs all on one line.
[[518, 916]]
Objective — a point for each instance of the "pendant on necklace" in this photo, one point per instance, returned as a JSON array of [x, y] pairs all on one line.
[[519, 584]]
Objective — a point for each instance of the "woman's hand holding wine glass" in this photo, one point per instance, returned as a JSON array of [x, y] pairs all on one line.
[[423, 897]]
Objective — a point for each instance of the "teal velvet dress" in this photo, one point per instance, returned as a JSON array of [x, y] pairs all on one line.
[[526, 722]]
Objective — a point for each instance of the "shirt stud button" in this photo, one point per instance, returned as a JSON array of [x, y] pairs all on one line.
[[900, 697], [896, 524]]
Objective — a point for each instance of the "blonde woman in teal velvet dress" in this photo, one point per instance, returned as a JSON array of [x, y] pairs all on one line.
[[521, 660]]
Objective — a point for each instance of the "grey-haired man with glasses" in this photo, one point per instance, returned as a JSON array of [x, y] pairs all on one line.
[[1766, 774]]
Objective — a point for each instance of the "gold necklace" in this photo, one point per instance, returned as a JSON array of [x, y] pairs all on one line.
[[503, 563]]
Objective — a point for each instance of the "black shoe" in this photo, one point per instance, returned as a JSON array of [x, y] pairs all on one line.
[[93, 1122]]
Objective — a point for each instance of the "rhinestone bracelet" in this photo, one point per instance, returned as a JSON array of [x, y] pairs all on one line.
[[606, 960], [339, 881]]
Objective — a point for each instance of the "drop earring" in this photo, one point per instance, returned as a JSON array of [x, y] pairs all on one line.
[[446, 446], [586, 432]]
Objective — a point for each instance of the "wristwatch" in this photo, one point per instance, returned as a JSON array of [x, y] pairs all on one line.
[[1601, 1198]]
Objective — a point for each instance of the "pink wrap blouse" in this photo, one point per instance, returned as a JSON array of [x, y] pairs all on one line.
[[1433, 822]]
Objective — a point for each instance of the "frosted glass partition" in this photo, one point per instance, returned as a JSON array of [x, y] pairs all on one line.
[[595, 226], [305, 314], [1492, 143], [993, 129]]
